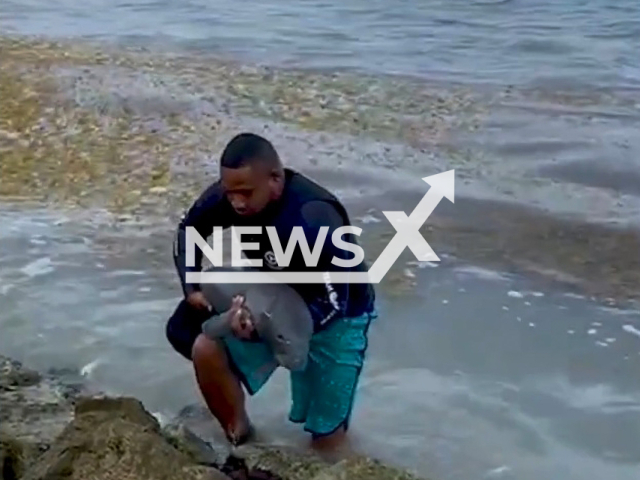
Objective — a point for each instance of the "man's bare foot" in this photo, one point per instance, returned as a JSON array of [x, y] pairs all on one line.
[[241, 434], [333, 447], [221, 390]]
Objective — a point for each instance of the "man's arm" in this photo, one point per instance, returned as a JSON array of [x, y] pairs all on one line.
[[203, 215], [332, 299]]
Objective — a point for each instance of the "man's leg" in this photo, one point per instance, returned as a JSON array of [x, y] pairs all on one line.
[[220, 388], [215, 372], [222, 368], [324, 394]]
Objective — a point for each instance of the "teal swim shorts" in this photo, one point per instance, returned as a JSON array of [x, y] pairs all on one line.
[[323, 394]]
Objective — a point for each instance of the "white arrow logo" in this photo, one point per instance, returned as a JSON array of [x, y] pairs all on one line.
[[407, 235], [408, 228]]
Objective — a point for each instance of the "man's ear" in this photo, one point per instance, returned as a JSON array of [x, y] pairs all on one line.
[[276, 174], [276, 180]]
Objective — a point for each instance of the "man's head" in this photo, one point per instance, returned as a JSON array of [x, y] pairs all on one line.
[[251, 173]]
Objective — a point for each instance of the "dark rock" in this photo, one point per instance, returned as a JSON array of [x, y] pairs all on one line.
[[236, 469], [109, 408], [12, 458], [33, 407], [14, 374], [283, 462], [25, 378], [192, 412], [115, 438], [189, 443], [363, 468], [47, 436]]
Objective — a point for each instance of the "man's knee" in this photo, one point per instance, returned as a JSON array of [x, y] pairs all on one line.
[[210, 351]]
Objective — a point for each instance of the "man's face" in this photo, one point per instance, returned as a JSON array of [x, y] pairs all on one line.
[[249, 189]]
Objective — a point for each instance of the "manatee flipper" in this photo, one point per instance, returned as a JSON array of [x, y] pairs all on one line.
[[220, 295]]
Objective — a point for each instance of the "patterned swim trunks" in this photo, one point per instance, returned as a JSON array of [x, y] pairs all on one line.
[[323, 394]]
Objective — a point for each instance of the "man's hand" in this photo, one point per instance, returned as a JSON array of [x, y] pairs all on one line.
[[198, 300], [240, 319]]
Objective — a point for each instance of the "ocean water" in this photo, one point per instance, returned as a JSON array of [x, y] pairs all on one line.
[[576, 43], [473, 374]]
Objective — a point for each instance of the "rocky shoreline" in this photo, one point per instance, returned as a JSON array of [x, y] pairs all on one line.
[[52, 430]]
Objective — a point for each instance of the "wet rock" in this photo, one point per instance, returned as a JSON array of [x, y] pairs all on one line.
[[251, 462], [33, 407], [362, 468], [109, 408], [236, 469], [14, 374], [12, 458], [46, 435], [115, 438], [190, 444], [283, 462]]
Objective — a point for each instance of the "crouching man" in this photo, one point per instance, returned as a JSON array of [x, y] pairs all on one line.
[[254, 189]]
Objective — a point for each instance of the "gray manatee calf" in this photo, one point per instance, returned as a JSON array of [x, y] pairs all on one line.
[[281, 318]]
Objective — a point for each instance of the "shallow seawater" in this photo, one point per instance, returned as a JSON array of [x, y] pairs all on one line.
[[472, 373]]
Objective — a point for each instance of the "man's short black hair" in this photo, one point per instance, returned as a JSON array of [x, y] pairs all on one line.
[[248, 148]]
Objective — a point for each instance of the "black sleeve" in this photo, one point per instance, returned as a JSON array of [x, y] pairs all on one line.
[[332, 299], [206, 213]]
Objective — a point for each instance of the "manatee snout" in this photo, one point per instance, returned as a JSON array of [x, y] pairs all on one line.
[[293, 357], [294, 364]]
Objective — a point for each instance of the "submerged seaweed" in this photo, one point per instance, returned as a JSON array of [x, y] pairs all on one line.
[[134, 130]]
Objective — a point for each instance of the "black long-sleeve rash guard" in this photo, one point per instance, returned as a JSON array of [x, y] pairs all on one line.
[[325, 301], [332, 301]]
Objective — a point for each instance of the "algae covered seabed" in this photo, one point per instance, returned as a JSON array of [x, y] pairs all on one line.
[[102, 148], [136, 134], [80, 123]]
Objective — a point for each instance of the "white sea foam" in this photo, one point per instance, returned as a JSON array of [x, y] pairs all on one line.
[[481, 273], [39, 267], [89, 368], [631, 329]]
